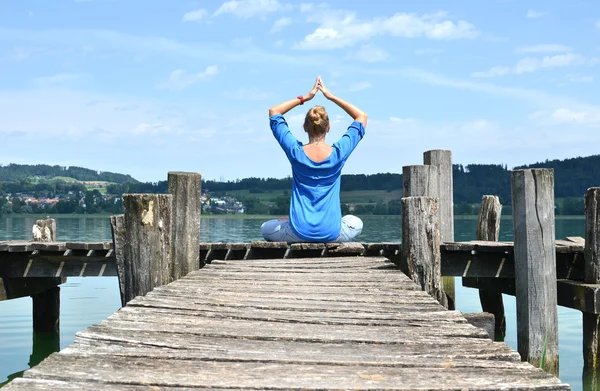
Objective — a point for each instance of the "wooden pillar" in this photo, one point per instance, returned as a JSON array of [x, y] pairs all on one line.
[[46, 303], [46, 310], [535, 267], [117, 225], [421, 254], [591, 322], [488, 228], [44, 231], [147, 243], [442, 159], [186, 190], [420, 181]]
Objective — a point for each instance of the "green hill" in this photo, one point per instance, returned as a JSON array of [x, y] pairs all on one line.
[[18, 172]]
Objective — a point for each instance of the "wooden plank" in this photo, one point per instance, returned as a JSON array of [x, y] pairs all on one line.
[[222, 348], [192, 373]]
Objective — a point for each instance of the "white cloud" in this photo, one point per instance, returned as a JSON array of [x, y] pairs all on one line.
[[368, 53], [544, 48], [280, 24], [531, 64], [340, 29], [180, 79], [279, 43], [360, 86], [575, 78], [598, 24], [195, 15], [59, 78], [246, 9], [531, 14]]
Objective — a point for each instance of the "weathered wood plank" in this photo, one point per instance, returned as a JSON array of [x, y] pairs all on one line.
[[197, 346], [191, 373]]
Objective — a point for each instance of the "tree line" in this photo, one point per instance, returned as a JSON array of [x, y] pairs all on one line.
[[18, 172], [572, 178]]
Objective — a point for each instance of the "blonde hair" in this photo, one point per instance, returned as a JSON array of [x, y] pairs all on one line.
[[316, 122]]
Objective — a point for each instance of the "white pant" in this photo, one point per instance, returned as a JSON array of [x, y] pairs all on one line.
[[280, 230]]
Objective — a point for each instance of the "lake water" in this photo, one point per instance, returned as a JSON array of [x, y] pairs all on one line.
[[87, 301]]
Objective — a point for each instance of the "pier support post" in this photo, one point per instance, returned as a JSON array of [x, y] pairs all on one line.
[[591, 322], [117, 225], [535, 267], [46, 310], [442, 159], [420, 181], [488, 228], [421, 254], [44, 231], [46, 303], [185, 188], [147, 245]]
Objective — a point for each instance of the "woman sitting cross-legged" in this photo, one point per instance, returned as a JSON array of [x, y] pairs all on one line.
[[315, 213]]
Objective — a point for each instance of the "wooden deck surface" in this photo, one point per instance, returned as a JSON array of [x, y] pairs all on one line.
[[325, 323]]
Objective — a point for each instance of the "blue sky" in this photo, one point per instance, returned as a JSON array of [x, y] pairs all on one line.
[[147, 87]]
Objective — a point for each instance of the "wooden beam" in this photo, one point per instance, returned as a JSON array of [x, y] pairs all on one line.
[[570, 294]]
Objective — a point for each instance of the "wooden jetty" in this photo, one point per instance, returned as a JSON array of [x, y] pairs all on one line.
[[306, 323], [345, 299]]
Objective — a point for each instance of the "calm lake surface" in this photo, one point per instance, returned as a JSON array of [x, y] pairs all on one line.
[[89, 300]]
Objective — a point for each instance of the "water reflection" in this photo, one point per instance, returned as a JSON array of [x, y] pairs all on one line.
[[44, 344]]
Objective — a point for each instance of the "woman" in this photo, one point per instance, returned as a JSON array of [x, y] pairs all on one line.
[[315, 213]]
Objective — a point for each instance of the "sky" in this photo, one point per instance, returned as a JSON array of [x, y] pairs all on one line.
[[147, 87]]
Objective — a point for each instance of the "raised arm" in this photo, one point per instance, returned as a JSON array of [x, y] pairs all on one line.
[[286, 106], [357, 114]]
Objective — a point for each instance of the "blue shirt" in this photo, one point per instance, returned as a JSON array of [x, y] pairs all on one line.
[[315, 213]]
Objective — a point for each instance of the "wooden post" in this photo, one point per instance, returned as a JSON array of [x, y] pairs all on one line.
[[535, 267], [185, 188], [591, 322], [442, 159], [117, 225], [488, 228], [420, 181], [46, 310], [421, 254], [46, 304], [147, 244], [44, 231]]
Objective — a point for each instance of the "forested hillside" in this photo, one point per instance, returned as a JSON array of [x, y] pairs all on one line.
[[377, 193], [19, 172]]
